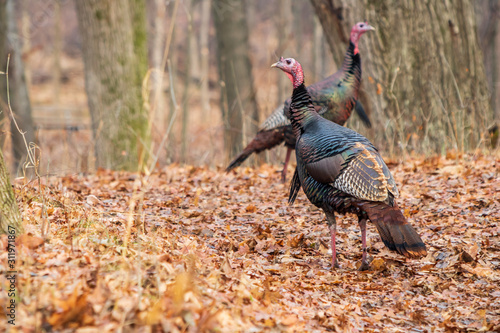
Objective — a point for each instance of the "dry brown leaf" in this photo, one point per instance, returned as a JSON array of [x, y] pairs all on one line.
[[206, 263], [93, 200], [251, 209], [378, 264], [4, 242], [70, 310], [31, 242], [289, 320]]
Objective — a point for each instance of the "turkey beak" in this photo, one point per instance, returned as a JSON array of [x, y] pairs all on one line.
[[277, 64], [371, 28]]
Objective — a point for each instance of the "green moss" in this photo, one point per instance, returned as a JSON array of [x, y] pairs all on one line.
[[99, 14]]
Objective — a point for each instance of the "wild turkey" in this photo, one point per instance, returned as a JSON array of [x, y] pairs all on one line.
[[341, 171], [334, 98]]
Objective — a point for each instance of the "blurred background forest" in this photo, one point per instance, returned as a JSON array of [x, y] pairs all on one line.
[[430, 76]]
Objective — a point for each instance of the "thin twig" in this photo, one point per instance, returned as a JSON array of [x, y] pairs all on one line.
[[30, 149], [30, 152]]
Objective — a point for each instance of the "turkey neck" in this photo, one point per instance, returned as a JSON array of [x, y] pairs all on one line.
[[351, 67], [301, 109]]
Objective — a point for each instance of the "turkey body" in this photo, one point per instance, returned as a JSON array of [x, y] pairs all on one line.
[[334, 98], [341, 171]]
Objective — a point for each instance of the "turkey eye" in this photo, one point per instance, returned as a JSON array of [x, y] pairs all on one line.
[[362, 25], [288, 61]]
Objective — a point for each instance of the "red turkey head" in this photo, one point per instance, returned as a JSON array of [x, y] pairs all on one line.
[[293, 70], [357, 30]]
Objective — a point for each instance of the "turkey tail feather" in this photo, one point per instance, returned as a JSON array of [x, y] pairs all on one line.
[[239, 159], [263, 140], [294, 187], [396, 233], [360, 110]]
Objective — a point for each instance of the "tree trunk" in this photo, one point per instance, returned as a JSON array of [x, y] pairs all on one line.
[[284, 29], [3, 67], [19, 96], [194, 51], [317, 54], [113, 36], [26, 33], [56, 71], [488, 14], [187, 81], [173, 82], [9, 212], [205, 57], [423, 75], [140, 33], [251, 120], [235, 71], [157, 98]]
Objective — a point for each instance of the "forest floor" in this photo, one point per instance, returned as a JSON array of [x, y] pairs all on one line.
[[226, 253]]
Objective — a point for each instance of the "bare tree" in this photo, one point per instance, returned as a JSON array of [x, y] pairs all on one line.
[[26, 33], [318, 54], [9, 212], [488, 16], [190, 68], [158, 100], [114, 43], [140, 41], [423, 74], [3, 66], [19, 96], [205, 54], [56, 72], [284, 29], [235, 72]]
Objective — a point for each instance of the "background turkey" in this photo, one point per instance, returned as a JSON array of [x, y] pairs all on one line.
[[334, 98], [341, 171]]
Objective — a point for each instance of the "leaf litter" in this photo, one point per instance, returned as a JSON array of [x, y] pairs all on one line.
[[192, 249]]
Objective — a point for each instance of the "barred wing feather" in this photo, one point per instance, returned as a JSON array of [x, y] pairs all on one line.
[[275, 120], [358, 171]]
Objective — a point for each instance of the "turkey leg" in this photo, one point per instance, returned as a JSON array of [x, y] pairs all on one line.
[[287, 159], [332, 225], [364, 262]]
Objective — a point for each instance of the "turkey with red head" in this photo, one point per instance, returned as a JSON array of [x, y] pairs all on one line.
[[341, 171], [334, 98]]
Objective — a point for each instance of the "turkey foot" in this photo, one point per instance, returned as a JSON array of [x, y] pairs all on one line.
[[335, 264], [365, 266], [283, 176], [364, 262], [285, 167]]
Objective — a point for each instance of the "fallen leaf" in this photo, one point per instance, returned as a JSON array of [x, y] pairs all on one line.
[[251, 209], [289, 320], [93, 200], [31, 242], [70, 310]]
